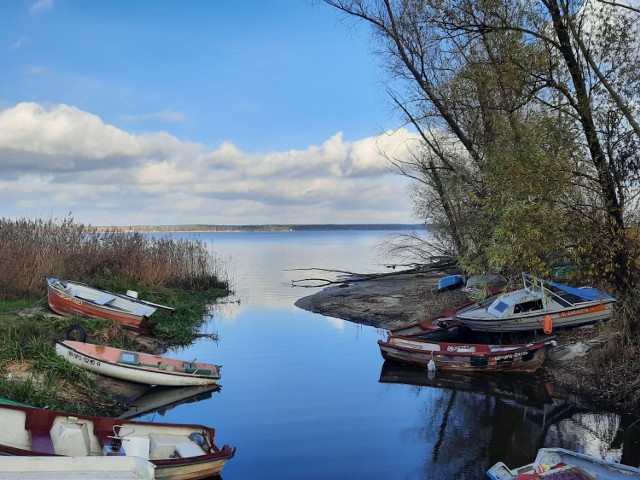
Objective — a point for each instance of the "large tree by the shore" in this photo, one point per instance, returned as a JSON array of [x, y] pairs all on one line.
[[529, 135]]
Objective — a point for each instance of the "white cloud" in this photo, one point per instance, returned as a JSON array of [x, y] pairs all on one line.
[[21, 42], [35, 70], [168, 116], [61, 159], [41, 5]]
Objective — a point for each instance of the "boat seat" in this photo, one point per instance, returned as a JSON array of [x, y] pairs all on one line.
[[104, 299], [39, 423], [163, 446], [41, 442], [188, 449], [192, 368]]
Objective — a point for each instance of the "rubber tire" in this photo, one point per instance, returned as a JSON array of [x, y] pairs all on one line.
[[75, 332]]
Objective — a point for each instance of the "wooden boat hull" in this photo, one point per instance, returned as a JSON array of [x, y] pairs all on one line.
[[429, 324], [178, 451], [65, 304], [523, 358], [63, 468], [576, 465], [136, 366]]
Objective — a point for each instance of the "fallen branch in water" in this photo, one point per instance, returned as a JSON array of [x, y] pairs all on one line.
[[346, 276]]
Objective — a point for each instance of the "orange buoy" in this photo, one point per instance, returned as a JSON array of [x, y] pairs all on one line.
[[547, 324]]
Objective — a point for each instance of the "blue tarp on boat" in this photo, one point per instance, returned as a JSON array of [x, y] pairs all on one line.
[[588, 293]]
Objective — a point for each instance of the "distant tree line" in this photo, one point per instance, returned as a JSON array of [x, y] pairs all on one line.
[[263, 228], [527, 113]]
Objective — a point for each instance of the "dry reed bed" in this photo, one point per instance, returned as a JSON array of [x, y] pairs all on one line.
[[36, 248]]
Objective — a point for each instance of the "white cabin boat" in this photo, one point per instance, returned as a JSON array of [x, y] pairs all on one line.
[[540, 305]]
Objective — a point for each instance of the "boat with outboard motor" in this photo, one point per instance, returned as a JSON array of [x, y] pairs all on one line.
[[539, 305]]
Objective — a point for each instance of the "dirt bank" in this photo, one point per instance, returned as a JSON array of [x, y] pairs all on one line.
[[391, 301]]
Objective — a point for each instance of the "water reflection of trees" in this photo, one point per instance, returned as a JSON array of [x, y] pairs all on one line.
[[473, 421]]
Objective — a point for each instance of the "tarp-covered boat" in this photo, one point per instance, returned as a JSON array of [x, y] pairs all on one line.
[[559, 463], [178, 451], [137, 366], [72, 298], [540, 305]]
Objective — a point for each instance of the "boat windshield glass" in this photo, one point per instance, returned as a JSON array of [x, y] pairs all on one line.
[[528, 306], [500, 307]]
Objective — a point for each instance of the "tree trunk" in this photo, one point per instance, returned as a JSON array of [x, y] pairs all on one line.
[[605, 176]]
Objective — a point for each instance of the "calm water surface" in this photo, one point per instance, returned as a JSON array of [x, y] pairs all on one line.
[[309, 397]]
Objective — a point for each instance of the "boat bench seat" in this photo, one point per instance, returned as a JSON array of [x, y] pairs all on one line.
[[39, 424], [163, 446], [188, 449], [104, 299], [199, 371], [41, 442]]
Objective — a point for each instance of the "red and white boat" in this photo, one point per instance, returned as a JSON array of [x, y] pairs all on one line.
[[72, 298], [138, 366], [456, 348], [431, 324], [178, 451]]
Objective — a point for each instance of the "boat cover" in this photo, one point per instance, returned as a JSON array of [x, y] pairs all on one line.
[[588, 293]]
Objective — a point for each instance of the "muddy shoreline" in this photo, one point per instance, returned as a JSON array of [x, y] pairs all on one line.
[[391, 301]]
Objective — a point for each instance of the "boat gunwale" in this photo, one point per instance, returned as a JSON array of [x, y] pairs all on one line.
[[518, 348], [99, 424]]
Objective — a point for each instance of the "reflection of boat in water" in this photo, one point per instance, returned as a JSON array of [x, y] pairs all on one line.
[[160, 399], [541, 403], [522, 390], [507, 414]]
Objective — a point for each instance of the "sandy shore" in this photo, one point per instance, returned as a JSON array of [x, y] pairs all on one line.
[[386, 302]]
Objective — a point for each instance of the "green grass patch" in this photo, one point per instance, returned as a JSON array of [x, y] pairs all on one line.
[[182, 274], [33, 373]]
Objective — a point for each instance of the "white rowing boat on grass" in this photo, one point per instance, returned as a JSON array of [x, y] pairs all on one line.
[[138, 366]]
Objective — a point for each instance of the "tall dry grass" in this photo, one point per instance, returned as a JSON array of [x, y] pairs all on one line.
[[31, 249]]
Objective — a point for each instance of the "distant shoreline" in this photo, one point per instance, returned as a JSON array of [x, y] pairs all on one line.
[[258, 228]]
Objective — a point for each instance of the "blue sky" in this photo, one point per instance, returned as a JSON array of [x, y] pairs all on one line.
[[163, 112]]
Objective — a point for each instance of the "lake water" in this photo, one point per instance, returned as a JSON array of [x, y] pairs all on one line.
[[309, 397]]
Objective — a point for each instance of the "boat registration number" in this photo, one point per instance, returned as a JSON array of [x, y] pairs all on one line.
[[581, 311], [90, 361], [68, 297], [511, 356]]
